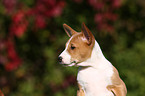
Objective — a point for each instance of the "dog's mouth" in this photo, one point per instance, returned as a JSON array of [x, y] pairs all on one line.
[[74, 63]]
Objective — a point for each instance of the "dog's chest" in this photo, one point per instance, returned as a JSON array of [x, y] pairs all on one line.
[[94, 82]]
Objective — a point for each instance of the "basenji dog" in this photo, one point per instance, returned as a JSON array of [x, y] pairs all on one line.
[[96, 75]]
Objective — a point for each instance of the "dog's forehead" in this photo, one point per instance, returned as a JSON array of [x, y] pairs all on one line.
[[77, 38]]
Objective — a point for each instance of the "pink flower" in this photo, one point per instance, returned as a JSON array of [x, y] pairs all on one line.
[[9, 5], [48, 2], [116, 3], [12, 65], [98, 17], [19, 23], [14, 60], [40, 8], [110, 16], [40, 22], [1, 93], [56, 11], [44, 10], [11, 49], [92, 2], [18, 17]]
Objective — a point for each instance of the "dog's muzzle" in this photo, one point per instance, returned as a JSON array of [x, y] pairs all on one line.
[[60, 59], [73, 63]]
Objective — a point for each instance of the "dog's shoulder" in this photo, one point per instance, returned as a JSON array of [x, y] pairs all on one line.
[[117, 87]]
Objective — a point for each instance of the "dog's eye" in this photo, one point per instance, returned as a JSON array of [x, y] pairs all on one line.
[[72, 47]]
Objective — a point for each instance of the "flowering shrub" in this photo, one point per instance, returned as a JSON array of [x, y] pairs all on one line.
[[14, 60], [20, 21], [24, 17], [105, 13]]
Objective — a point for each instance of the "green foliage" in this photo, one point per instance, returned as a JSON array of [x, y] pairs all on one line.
[[130, 62]]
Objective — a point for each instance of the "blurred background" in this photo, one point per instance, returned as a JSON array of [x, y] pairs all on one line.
[[32, 37]]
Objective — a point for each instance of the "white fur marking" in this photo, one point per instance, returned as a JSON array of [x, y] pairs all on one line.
[[84, 39], [65, 55], [96, 78]]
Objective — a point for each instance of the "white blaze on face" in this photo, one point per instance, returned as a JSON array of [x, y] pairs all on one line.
[[66, 57]]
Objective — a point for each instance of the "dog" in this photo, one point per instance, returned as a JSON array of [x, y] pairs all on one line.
[[96, 75]]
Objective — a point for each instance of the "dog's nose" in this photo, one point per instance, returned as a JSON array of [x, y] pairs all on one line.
[[59, 59]]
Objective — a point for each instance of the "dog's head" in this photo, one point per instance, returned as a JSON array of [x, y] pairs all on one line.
[[78, 48]]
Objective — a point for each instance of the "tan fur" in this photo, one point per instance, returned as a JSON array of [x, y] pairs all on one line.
[[118, 87], [80, 52], [80, 92]]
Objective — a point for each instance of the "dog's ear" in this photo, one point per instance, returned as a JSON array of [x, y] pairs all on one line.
[[87, 34], [70, 32]]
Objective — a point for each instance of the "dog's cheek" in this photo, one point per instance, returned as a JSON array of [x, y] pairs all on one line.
[[75, 55], [83, 55]]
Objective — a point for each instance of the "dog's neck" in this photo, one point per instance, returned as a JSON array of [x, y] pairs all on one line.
[[96, 53], [96, 57]]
